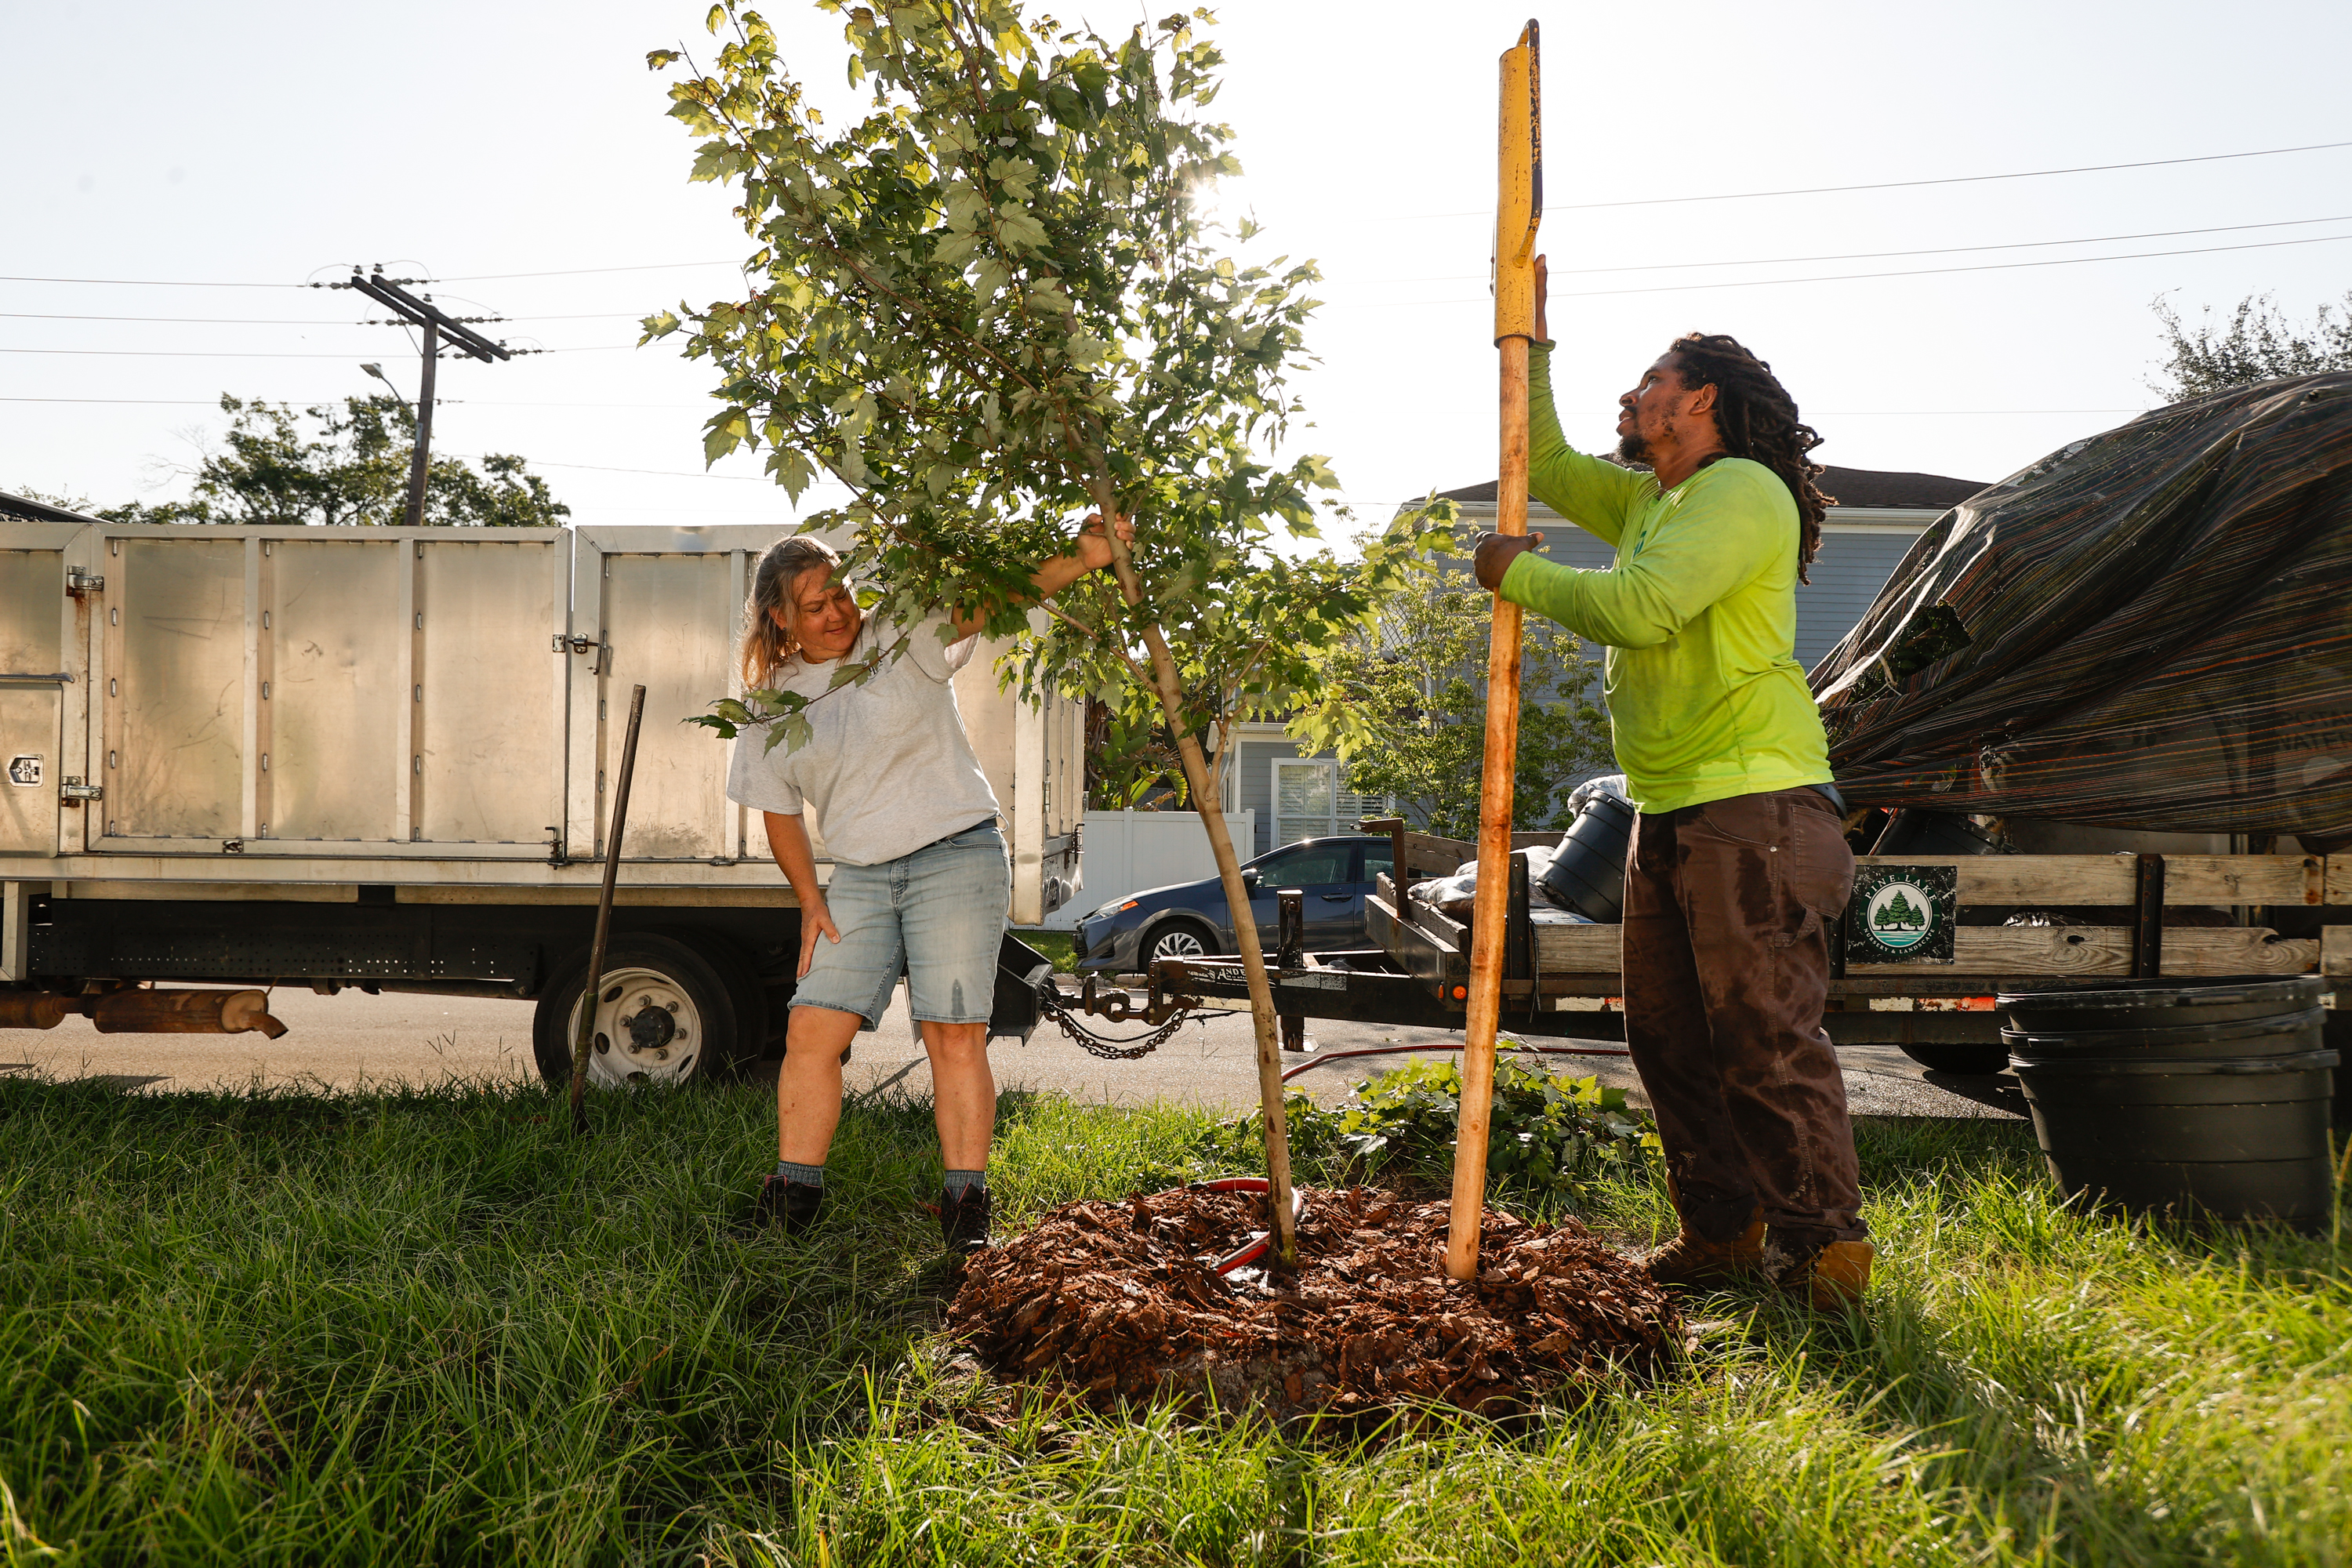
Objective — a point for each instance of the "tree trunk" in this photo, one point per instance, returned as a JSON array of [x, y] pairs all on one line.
[[1205, 800]]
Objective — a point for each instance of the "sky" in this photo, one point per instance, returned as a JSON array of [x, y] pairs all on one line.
[[520, 156]]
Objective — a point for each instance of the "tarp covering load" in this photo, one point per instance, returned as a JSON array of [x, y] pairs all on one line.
[[2151, 628]]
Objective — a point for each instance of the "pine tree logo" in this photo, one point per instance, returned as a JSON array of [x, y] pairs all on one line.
[[1901, 915]]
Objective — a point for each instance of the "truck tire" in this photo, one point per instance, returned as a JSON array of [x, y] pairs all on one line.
[[665, 1015], [1969, 1060]]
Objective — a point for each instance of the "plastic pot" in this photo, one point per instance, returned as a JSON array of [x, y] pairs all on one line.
[[2274, 1036], [2243, 1138], [2136, 1004], [1588, 870]]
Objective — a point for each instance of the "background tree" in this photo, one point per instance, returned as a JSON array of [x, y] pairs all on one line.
[[349, 464], [992, 303], [1414, 686], [2257, 344]]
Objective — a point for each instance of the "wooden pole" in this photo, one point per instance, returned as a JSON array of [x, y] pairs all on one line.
[[584, 1042], [1518, 209], [420, 455]]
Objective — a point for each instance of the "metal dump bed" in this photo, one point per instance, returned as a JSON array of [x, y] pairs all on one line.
[[255, 719]]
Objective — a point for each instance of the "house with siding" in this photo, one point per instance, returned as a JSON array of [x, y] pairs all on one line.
[[1877, 516]]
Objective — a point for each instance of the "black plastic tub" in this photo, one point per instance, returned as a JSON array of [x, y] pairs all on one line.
[[1588, 869], [2136, 1004], [2210, 1101], [2275, 1036], [2233, 1139]]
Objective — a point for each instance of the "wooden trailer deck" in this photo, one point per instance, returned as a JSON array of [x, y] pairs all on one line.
[[1584, 961]]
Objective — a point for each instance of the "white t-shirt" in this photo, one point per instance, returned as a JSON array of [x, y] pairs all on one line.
[[886, 768]]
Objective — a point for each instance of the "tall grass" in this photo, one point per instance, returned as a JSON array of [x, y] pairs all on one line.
[[416, 1327]]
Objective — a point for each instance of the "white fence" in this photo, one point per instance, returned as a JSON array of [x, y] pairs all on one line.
[[1124, 852]]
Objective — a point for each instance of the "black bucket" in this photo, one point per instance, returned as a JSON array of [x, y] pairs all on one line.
[[2284, 1035], [1588, 869], [2136, 1004], [2212, 1099]]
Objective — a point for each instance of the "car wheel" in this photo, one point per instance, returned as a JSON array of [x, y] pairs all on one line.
[[1180, 939], [663, 1014]]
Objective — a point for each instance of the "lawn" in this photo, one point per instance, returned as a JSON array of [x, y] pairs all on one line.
[[1060, 946], [419, 1327]]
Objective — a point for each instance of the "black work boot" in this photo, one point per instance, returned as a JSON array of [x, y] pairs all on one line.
[[783, 1201], [963, 1220]]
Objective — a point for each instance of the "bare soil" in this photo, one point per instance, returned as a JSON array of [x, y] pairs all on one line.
[[1117, 1300]]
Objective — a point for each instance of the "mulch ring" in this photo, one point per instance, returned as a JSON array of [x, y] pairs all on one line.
[[1116, 1301]]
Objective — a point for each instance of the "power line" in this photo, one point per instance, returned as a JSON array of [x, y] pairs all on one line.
[[154, 283], [1435, 278], [307, 353], [1405, 217], [307, 322], [193, 321], [1395, 304], [1852, 277], [1909, 184], [1858, 255], [695, 409], [584, 271]]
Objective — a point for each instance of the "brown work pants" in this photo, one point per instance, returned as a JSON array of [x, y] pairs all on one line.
[[1728, 913]]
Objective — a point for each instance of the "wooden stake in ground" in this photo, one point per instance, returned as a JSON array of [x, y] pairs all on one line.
[[584, 1041], [1518, 209]]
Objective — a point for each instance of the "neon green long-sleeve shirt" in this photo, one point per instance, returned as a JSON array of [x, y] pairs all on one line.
[[1706, 700]]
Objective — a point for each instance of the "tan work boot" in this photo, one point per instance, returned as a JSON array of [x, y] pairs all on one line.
[[1830, 1276], [1690, 1261]]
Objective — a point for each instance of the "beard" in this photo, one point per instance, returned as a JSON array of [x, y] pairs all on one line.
[[1635, 448]]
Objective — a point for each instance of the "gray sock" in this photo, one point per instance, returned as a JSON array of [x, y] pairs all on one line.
[[806, 1175], [959, 1182]]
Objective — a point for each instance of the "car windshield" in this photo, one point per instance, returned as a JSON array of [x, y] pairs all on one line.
[[1309, 865]]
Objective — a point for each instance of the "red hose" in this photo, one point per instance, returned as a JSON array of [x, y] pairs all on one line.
[[1318, 1059], [1256, 1246]]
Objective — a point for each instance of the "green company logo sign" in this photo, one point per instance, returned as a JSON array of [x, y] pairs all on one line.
[[1901, 914]]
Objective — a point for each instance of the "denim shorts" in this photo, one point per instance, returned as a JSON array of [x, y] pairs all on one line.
[[938, 914]]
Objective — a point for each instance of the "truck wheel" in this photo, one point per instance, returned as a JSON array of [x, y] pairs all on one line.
[[663, 1015], [1975, 1061]]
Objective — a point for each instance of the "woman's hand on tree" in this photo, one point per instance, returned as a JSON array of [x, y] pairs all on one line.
[[814, 917], [1094, 544]]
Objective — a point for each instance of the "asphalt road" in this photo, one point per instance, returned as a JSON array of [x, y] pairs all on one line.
[[353, 1039]]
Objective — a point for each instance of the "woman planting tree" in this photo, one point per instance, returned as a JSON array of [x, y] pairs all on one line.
[[994, 301], [919, 877]]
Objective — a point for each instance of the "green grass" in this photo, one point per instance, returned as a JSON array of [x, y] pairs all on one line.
[[1061, 946], [433, 1326]]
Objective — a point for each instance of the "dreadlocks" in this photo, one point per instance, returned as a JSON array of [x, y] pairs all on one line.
[[1757, 420]]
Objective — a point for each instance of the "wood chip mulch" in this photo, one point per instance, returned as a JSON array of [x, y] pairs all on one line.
[[1116, 1301]]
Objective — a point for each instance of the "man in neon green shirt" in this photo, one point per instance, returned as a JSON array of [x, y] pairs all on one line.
[[1738, 862]]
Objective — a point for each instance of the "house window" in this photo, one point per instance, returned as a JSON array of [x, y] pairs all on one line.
[[1308, 802]]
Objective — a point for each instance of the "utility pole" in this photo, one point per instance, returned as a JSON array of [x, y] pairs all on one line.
[[423, 312]]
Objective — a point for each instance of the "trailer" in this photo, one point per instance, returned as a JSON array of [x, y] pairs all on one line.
[[1964, 929], [378, 759]]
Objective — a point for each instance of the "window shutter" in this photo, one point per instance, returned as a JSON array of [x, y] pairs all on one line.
[[1305, 792]]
